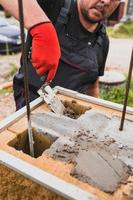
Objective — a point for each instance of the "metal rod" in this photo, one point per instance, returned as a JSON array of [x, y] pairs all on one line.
[[25, 71], [14, 117], [127, 92]]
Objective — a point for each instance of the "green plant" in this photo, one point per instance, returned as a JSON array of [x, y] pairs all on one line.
[[116, 93], [125, 30], [6, 91], [13, 70]]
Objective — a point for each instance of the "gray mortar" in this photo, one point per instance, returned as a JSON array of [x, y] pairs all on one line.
[[56, 125], [99, 168], [83, 150], [91, 135]]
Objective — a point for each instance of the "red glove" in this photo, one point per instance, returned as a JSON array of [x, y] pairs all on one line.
[[45, 49]]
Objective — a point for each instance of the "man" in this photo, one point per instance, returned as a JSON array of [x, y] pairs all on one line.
[[84, 47], [38, 25]]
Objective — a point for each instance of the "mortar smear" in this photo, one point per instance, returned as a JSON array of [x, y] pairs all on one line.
[[99, 168], [96, 162]]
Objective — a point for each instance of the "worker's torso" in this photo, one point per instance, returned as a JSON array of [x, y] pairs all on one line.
[[83, 54]]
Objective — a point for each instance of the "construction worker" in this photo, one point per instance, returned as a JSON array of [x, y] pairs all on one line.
[[84, 46], [38, 25]]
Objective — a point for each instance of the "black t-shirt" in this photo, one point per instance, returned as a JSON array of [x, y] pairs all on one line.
[[51, 8], [75, 29], [83, 53], [78, 32]]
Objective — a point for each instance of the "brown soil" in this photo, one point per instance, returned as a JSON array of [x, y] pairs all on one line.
[[14, 186]]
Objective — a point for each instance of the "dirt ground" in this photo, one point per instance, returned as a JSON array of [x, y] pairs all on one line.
[[7, 105], [7, 63]]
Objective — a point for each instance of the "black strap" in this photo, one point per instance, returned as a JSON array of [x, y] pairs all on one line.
[[64, 15], [62, 18], [26, 78], [102, 34]]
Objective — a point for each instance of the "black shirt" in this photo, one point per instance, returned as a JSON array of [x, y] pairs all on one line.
[[83, 54]]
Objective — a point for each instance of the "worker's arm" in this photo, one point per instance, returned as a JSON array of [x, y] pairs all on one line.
[[33, 14], [45, 46], [93, 89]]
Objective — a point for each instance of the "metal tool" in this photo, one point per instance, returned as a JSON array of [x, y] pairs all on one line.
[[49, 96], [127, 92], [25, 71], [47, 93]]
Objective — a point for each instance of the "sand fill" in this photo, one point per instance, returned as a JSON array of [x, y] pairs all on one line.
[[14, 186]]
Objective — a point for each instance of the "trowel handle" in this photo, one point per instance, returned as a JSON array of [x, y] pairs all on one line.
[[44, 78]]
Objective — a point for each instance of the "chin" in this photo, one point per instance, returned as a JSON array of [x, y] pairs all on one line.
[[94, 17]]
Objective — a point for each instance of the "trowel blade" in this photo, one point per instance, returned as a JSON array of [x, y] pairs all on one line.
[[51, 99]]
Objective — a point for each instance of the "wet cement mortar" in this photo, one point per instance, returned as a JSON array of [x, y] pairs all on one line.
[[93, 157], [93, 161], [74, 110], [14, 186]]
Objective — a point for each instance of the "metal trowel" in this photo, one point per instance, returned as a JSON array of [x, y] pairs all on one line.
[[49, 96]]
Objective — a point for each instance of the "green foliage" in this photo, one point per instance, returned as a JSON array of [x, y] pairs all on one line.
[[116, 93], [6, 91], [125, 30], [13, 70]]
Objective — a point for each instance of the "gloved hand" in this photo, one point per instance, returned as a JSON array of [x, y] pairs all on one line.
[[45, 49]]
